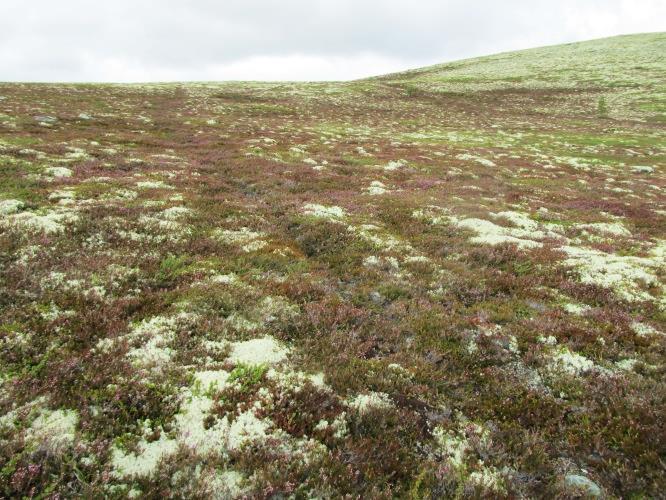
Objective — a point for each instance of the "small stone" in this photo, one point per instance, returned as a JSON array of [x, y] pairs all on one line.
[[537, 306], [581, 483], [434, 357], [45, 119]]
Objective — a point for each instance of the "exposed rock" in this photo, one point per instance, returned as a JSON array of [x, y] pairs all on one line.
[[582, 484]]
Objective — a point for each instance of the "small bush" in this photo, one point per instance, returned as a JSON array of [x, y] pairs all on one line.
[[602, 107], [249, 376]]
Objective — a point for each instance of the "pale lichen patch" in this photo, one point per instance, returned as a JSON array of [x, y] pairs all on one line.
[[175, 213], [364, 403], [460, 449], [577, 309], [482, 161], [525, 235], [625, 275], [8, 207], [150, 340], [210, 380], [227, 484], [324, 211], [607, 228], [145, 462], [58, 172], [265, 350], [55, 430], [153, 185], [49, 222], [571, 362], [248, 240], [377, 188], [643, 329], [492, 234], [395, 165]]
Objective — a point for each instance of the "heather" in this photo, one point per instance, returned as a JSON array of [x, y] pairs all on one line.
[[444, 283]]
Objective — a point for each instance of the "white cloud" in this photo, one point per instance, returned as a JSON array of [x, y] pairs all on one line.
[[139, 40], [294, 67], [306, 67], [600, 19]]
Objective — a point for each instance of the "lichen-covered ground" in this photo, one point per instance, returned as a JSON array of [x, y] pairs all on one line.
[[442, 283]]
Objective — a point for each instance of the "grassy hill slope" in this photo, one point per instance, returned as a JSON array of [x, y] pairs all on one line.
[[627, 70]]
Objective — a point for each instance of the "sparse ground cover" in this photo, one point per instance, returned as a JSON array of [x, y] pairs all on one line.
[[442, 283]]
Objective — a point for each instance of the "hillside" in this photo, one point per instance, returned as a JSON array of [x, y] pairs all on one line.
[[447, 282], [627, 70]]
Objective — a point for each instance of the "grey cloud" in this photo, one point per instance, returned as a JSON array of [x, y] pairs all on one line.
[[45, 40]]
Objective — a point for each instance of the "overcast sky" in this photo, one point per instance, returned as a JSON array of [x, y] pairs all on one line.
[[166, 40]]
